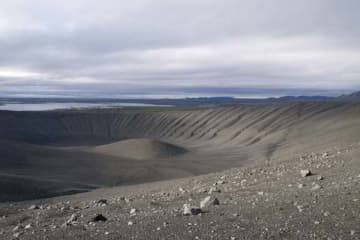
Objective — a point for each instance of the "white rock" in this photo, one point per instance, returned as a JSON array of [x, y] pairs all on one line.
[[205, 203], [305, 173], [214, 189], [133, 211], [16, 235], [316, 187], [187, 209], [16, 228], [33, 207]]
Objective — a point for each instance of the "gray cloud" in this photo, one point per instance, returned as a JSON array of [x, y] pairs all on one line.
[[179, 48]]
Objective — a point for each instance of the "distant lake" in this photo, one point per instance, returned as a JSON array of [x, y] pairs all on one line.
[[55, 106]]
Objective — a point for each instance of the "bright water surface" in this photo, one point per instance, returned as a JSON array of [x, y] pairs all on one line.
[[54, 106]]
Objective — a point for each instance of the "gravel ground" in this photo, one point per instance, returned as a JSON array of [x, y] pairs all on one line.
[[272, 200]]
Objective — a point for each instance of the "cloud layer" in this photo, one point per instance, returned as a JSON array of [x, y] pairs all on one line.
[[156, 48]]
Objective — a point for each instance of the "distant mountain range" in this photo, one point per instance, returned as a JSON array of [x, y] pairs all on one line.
[[353, 96], [201, 101]]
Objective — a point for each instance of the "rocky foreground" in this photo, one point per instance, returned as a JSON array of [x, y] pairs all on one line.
[[315, 196]]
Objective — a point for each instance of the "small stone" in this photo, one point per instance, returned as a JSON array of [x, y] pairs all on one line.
[[220, 182], [27, 226], [316, 222], [205, 202], [301, 185], [33, 207], [319, 178], [300, 208], [305, 173], [188, 210], [101, 201], [196, 211], [316, 187], [130, 223], [16, 228], [214, 189], [133, 211], [99, 218], [352, 232], [107, 233], [71, 221], [216, 202], [16, 235]]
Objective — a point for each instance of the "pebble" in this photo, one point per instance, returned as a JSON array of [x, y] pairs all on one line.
[[33, 207], [189, 210], [316, 187], [305, 173], [133, 211], [213, 190], [16, 235]]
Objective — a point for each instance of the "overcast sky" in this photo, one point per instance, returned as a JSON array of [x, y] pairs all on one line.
[[177, 48]]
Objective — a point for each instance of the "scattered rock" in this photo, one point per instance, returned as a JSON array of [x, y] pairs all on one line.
[[16, 235], [99, 218], [316, 187], [213, 190], [16, 228], [216, 202], [27, 226], [319, 178], [205, 202], [188, 210], [71, 221], [101, 201], [220, 182], [305, 173], [133, 211], [33, 207]]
